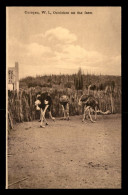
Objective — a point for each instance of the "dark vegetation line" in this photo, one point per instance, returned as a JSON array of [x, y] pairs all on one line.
[[68, 81]]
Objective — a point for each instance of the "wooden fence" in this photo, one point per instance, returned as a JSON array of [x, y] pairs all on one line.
[[21, 105]]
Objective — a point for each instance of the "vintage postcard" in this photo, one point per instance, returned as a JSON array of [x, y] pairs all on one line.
[[63, 97]]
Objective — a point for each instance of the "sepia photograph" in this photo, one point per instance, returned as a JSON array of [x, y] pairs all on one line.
[[63, 97]]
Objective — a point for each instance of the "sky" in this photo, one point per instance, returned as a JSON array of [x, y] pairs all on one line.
[[54, 42]]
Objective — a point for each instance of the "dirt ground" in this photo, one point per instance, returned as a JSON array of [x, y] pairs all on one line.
[[66, 154]]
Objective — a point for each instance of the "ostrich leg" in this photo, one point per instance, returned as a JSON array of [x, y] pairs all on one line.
[[85, 110], [84, 114], [67, 111], [50, 114], [91, 117], [43, 117], [95, 113], [64, 112]]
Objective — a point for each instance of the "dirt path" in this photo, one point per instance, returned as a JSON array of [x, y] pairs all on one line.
[[66, 154]]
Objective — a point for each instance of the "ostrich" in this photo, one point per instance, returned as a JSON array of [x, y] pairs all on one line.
[[64, 101], [89, 103], [43, 103]]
